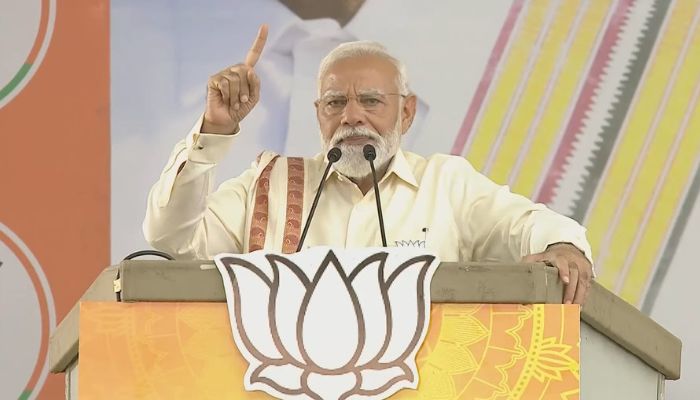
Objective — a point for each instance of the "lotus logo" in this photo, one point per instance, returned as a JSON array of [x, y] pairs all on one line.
[[329, 324]]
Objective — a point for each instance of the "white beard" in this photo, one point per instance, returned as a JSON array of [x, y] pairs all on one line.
[[352, 163]]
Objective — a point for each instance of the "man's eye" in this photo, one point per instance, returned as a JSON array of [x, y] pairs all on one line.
[[335, 103], [370, 101]]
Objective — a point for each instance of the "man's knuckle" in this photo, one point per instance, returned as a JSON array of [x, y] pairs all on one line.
[[561, 261]]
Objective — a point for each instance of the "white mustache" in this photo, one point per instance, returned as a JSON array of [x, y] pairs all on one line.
[[344, 133]]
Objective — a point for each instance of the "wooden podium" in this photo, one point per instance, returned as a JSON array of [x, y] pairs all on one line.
[[497, 331]]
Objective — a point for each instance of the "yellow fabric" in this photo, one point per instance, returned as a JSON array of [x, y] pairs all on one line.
[[441, 203]]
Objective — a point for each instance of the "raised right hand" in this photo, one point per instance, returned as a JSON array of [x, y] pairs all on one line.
[[233, 92]]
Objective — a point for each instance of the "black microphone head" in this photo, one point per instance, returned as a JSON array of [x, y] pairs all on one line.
[[369, 152], [334, 155]]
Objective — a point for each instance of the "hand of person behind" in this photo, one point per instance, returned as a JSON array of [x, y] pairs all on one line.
[[233, 92]]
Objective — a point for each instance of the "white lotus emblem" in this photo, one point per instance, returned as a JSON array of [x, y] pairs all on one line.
[[329, 324]]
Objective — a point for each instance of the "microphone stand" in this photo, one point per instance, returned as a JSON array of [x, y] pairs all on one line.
[[333, 156], [370, 154]]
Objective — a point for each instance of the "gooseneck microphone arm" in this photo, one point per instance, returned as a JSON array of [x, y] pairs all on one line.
[[370, 154], [333, 156]]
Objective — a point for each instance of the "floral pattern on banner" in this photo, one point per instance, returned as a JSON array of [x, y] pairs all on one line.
[[471, 351]]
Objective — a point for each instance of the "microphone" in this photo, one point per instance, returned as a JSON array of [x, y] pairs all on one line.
[[332, 156], [370, 154]]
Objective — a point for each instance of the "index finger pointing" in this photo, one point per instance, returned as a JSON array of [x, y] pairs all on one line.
[[254, 53]]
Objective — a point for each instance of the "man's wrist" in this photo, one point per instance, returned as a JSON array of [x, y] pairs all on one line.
[[212, 129], [567, 244]]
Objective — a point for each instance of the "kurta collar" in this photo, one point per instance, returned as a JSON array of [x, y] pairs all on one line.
[[398, 166]]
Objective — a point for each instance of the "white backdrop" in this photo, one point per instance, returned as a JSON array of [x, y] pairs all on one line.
[[163, 52]]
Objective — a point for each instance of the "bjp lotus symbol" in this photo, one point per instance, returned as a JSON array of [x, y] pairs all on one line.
[[329, 324]]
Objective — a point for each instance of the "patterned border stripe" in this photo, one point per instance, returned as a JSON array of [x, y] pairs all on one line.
[[674, 238], [518, 132], [515, 69], [547, 127], [617, 117], [295, 204], [667, 170], [670, 208], [583, 104], [487, 78], [258, 225], [609, 238], [592, 145], [529, 96]]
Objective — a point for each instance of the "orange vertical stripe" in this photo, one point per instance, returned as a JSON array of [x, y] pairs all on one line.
[[55, 179]]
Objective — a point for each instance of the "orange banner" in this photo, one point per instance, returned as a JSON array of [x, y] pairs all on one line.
[[55, 177], [186, 351]]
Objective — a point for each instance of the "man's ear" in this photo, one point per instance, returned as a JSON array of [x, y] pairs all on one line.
[[408, 111]]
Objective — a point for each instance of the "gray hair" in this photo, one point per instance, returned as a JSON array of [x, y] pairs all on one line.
[[359, 49]]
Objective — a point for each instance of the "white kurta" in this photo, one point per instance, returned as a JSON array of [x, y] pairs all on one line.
[[440, 203]]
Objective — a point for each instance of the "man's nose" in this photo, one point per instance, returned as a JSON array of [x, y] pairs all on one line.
[[353, 114]]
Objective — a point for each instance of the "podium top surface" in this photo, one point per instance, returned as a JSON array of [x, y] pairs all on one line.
[[199, 281]]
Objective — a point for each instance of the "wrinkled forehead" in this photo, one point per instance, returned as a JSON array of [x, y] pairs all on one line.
[[360, 75]]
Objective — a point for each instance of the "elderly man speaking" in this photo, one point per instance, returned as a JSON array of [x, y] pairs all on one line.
[[440, 203]]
